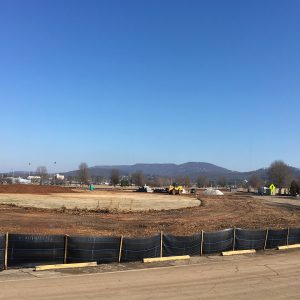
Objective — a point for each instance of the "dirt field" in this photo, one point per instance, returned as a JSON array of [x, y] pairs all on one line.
[[213, 214], [99, 200], [33, 189]]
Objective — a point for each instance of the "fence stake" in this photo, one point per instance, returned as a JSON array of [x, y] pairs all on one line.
[[120, 250], [66, 248], [267, 233], [161, 244], [288, 235], [6, 251], [233, 244], [201, 245]]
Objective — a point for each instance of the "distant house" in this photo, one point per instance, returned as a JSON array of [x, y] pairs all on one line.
[[34, 179], [15, 180]]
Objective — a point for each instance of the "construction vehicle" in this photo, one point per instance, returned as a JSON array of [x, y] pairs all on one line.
[[175, 189]]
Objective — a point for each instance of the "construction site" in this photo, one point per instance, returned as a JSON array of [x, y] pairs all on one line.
[[35, 209]]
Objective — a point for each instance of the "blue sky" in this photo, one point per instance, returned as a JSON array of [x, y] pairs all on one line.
[[121, 82]]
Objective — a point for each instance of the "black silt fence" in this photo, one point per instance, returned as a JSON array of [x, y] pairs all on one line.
[[217, 242], [181, 245], [249, 239], [137, 249], [2, 251], [100, 249], [29, 250], [294, 236], [276, 237], [25, 249]]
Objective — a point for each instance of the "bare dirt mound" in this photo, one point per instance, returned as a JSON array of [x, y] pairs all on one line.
[[33, 189], [91, 200]]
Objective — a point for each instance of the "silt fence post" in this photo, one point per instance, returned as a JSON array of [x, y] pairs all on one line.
[[66, 249], [161, 243], [120, 249], [233, 245], [6, 251], [201, 244], [267, 233]]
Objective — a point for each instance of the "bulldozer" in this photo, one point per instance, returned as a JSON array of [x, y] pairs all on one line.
[[175, 189]]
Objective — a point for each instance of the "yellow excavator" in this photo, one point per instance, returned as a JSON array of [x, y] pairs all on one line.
[[175, 189]]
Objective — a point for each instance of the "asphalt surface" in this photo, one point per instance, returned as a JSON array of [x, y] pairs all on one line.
[[268, 275], [281, 201]]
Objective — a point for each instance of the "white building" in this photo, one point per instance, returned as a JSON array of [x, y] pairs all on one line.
[[59, 177]]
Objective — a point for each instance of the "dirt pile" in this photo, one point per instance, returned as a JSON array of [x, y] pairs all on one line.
[[213, 192], [33, 189]]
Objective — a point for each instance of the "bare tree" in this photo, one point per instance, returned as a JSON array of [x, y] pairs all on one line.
[[187, 181], [153, 181], [222, 181], [295, 188], [163, 181], [255, 181], [157, 181], [115, 177], [279, 173], [202, 181], [43, 173], [178, 180], [138, 178], [83, 173], [124, 182]]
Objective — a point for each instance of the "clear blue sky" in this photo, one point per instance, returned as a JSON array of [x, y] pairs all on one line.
[[121, 82]]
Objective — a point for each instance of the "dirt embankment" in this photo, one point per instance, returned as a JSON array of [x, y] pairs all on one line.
[[215, 213], [33, 189]]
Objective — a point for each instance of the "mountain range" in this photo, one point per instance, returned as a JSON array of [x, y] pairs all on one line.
[[191, 169]]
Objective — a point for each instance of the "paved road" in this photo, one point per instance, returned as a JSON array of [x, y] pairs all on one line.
[[267, 276], [281, 201]]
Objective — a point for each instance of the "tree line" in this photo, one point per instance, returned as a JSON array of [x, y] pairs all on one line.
[[278, 173]]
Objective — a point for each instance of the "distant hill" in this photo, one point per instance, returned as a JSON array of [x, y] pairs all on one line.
[[167, 170], [191, 169]]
